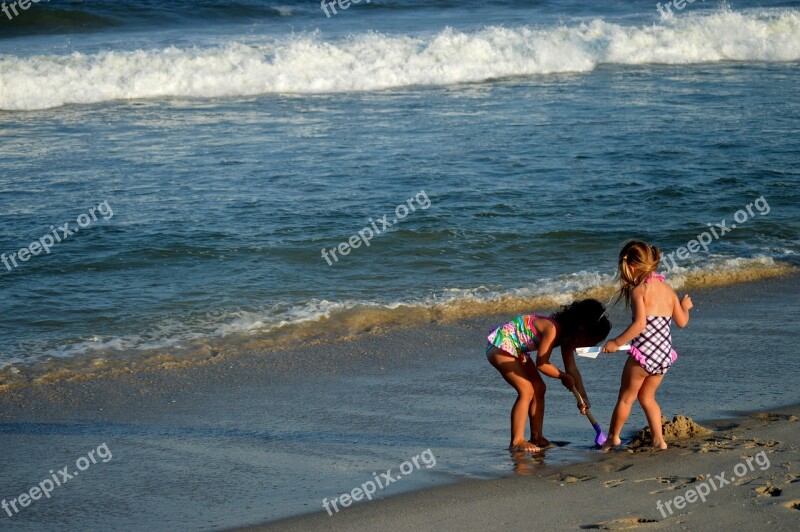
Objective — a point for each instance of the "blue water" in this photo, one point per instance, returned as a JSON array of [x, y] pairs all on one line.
[[233, 141]]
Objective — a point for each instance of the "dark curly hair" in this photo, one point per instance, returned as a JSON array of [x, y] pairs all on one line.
[[587, 316]]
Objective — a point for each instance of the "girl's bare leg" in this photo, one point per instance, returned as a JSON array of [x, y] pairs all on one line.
[[536, 410], [633, 375], [513, 371], [647, 398]]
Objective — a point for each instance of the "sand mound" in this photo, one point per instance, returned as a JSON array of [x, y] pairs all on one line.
[[679, 427]]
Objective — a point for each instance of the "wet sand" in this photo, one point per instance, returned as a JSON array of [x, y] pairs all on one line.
[[748, 474]]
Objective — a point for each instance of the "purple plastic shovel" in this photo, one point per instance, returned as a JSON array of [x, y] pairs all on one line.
[[601, 436]]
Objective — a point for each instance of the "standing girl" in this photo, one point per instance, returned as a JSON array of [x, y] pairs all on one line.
[[655, 306], [581, 324]]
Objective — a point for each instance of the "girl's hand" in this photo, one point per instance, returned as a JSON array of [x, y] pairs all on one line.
[[584, 406], [567, 381], [686, 303], [610, 347]]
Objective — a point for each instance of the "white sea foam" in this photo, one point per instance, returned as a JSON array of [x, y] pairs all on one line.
[[372, 61], [172, 335]]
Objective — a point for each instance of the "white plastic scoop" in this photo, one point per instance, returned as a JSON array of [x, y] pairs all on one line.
[[592, 352]]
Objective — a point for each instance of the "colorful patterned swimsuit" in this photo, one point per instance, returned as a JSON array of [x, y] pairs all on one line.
[[652, 349], [518, 337]]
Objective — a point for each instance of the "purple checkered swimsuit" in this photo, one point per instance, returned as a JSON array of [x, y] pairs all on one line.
[[652, 349]]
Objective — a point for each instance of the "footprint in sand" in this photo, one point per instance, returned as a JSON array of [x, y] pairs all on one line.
[[716, 445], [674, 483], [663, 480], [752, 444], [570, 479], [617, 469], [794, 505], [764, 416], [619, 524], [769, 491]]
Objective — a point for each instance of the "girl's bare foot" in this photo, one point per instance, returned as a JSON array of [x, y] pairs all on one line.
[[660, 445], [524, 445], [610, 443], [541, 441]]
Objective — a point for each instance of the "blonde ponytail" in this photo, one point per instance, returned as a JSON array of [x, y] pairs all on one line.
[[637, 260]]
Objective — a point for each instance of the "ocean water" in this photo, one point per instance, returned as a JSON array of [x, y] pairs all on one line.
[[208, 152]]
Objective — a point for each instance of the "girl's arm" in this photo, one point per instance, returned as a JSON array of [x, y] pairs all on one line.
[[635, 328], [568, 354], [543, 358], [680, 310]]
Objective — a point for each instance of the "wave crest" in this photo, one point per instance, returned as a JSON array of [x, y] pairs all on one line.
[[373, 61]]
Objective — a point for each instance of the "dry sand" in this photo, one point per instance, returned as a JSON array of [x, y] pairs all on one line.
[[617, 491]]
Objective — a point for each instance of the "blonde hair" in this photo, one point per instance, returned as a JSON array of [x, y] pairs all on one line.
[[637, 260]]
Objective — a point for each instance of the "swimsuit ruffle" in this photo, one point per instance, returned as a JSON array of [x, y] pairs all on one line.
[[647, 364]]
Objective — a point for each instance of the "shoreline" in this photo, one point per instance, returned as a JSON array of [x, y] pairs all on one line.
[[344, 327], [758, 445]]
